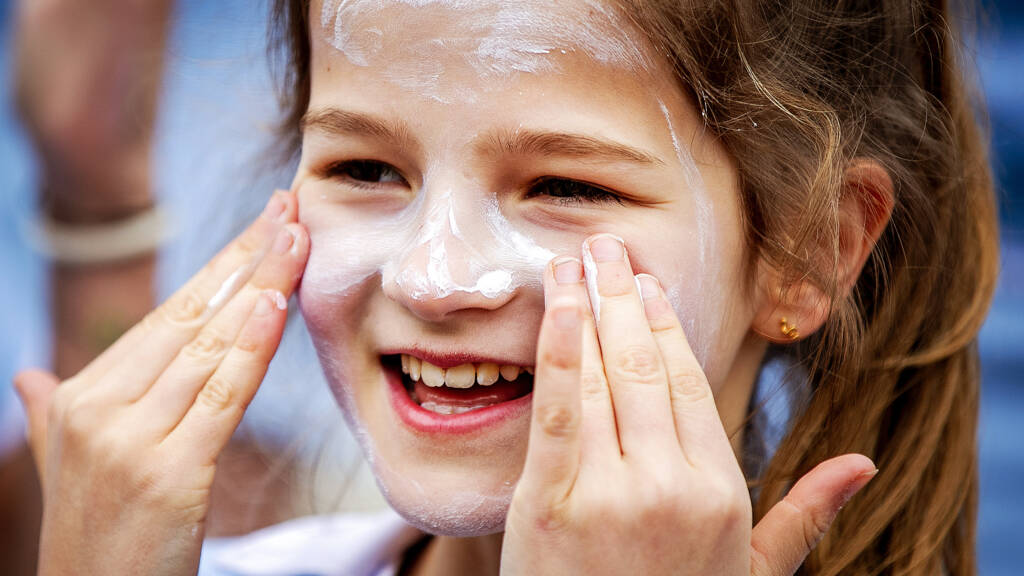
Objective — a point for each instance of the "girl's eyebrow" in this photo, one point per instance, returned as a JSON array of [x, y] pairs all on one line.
[[335, 121], [560, 144]]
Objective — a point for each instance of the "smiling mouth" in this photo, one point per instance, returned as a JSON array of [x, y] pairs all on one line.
[[459, 389]]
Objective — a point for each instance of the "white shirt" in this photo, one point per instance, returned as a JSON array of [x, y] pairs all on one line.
[[345, 545]]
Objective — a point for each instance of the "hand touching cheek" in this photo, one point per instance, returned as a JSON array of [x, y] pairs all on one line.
[[629, 470], [126, 449]]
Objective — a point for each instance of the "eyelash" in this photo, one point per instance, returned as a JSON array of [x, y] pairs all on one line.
[[353, 172], [571, 192], [370, 174]]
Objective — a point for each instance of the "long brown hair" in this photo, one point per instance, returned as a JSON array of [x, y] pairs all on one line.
[[796, 90]]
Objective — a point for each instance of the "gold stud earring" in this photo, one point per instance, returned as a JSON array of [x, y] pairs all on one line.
[[788, 330]]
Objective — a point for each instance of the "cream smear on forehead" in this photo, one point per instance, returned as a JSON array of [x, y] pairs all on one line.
[[494, 39]]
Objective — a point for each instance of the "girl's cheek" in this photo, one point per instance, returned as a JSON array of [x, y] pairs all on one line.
[[335, 277]]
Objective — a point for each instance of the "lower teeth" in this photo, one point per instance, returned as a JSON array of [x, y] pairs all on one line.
[[446, 409]]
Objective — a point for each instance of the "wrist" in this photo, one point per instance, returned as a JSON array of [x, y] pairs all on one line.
[[93, 210], [97, 196]]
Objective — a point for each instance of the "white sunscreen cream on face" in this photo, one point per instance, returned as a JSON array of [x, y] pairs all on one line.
[[438, 246], [701, 334], [452, 239], [496, 40]]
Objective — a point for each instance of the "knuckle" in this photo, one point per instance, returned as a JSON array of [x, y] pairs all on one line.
[[217, 394], [689, 384], [117, 451], [735, 510], [592, 385], [815, 523], [76, 418], [147, 479], [183, 309], [59, 405], [663, 496], [637, 364], [558, 360], [208, 345], [249, 344], [725, 505], [150, 321], [552, 517], [557, 421], [248, 246]]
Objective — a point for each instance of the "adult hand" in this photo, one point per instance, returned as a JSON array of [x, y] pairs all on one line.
[[126, 449], [629, 469], [87, 76]]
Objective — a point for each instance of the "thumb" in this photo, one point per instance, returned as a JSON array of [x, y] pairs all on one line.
[[35, 388], [789, 531]]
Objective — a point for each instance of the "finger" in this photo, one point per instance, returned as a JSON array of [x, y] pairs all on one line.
[[175, 390], [35, 389], [697, 423], [564, 277], [133, 363], [789, 531], [220, 404], [632, 361], [553, 451]]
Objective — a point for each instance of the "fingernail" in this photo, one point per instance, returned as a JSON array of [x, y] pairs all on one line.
[[858, 483], [275, 208], [568, 271], [607, 248], [284, 241], [566, 316], [648, 285]]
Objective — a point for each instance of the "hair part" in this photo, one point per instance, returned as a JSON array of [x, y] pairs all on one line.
[[796, 91]]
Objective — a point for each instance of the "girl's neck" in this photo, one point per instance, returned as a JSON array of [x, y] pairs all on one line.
[[444, 555]]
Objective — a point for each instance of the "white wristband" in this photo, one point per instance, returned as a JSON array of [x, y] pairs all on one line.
[[85, 244]]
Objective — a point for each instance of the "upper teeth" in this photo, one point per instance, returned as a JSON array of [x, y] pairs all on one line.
[[462, 376]]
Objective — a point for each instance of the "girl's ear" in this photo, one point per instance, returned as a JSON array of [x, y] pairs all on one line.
[[787, 312]]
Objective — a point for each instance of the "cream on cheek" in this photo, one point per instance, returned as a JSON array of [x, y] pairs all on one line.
[[440, 245], [453, 240], [698, 298]]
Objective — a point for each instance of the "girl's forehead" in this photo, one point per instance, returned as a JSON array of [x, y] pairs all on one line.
[[450, 50]]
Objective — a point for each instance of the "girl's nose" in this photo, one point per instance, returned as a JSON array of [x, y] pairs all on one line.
[[447, 272]]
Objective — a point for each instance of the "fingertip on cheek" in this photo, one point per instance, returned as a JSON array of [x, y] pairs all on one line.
[[562, 272], [655, 304], [299, 248], [269, 301], [648, 286], [567, 271]]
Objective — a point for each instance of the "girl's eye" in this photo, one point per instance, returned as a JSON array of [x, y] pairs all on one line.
[[365, 173], [571, 191]]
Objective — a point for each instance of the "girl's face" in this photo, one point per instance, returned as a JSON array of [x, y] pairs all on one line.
[[450, 150]]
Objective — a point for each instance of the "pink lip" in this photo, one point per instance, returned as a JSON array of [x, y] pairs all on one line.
[[431, 423], [452, 359]]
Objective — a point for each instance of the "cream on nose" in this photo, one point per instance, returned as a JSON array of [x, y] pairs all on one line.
[[451, 264]]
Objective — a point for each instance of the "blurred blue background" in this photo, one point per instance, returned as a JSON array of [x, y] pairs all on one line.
[[214, 120]]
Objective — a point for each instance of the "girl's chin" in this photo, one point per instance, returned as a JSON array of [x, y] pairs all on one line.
[[448, 476], [459, 512]]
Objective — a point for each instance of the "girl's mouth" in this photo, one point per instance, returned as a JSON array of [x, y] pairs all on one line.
[[459, 398]]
